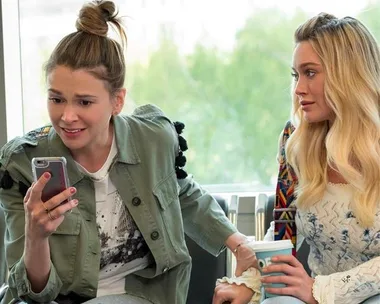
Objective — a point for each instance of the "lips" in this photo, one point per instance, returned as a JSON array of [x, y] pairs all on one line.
[[73, 131], [305, 103]]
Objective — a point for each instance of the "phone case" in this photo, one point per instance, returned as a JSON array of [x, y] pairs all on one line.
[[58, 182]]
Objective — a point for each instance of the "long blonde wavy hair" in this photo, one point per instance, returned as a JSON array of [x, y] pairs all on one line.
[[351, 143]]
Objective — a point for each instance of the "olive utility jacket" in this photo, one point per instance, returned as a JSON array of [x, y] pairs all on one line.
[[163, 207]]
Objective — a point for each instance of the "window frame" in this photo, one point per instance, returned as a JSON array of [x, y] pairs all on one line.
[[11, 106]]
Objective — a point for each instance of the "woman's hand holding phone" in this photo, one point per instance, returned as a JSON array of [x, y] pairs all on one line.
[[43, 218]]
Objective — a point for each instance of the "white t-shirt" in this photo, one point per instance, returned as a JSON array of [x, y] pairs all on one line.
[[123, 249]]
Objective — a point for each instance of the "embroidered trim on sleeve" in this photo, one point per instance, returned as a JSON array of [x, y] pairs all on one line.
[[250, 278], [322, 290]]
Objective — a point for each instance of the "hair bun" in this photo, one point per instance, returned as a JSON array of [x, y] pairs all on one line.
[[93, 17], [324, 19]]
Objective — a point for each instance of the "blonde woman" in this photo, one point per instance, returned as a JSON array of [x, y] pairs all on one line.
[[332, 146]]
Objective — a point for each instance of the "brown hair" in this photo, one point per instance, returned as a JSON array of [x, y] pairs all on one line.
[[89, 47]]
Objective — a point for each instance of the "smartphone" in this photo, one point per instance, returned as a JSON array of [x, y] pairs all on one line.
[[59, 180]]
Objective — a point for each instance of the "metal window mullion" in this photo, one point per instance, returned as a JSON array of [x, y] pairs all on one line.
[[12, 68]]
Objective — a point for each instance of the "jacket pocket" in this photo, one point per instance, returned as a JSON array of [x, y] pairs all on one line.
[[64, 247], [167, 197], [167, 191], [69, 226]]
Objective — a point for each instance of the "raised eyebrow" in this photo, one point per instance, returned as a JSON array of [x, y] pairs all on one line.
[[84, 96], [55, 91], [76, 95]]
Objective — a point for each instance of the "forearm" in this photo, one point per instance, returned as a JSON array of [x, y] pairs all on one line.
[[37, 263]]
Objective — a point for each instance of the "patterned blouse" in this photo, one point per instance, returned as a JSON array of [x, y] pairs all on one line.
[[344, 258]]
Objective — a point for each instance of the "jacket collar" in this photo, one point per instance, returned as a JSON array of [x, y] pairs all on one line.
[[127, 151]]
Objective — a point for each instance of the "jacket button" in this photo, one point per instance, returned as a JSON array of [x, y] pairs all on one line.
[[154, 235], [136, 201]]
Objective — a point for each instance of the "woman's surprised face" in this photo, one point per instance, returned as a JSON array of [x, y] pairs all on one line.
[[80, 107], [309, 77]]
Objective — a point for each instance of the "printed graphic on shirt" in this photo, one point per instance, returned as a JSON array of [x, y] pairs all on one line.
[[121, 241]]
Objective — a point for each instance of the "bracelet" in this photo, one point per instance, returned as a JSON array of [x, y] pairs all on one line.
[[237, 247]]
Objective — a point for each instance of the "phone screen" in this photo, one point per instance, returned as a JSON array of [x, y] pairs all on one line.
[[58, 182]]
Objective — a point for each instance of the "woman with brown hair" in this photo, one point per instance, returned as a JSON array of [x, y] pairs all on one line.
[[121, 231]]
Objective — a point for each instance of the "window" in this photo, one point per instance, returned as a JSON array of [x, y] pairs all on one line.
[[221, 67]]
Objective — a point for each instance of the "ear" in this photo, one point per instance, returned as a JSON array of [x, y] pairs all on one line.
[[119, 99]]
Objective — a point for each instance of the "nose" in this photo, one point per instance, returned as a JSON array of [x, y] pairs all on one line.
[[69, 114], [300, 88]]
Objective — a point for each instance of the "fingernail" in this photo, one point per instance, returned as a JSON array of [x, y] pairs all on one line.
[[47, 175], [73, 190], [274, 259], [75, 201], [264, 269]]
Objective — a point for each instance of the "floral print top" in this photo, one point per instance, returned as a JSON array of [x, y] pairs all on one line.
[[344, 257]]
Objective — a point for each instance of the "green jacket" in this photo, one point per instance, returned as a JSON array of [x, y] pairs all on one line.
[[143, 172]]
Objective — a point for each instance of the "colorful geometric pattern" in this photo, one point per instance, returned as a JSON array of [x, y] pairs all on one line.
[[284, 212]]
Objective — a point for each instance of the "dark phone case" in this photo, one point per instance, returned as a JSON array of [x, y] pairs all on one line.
[[58, 181]]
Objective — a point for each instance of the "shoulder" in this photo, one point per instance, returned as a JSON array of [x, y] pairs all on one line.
[[148, 111], [17, 149], [150, 122], [159, 133]]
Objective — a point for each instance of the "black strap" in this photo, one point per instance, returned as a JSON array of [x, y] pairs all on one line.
[[71, 298]]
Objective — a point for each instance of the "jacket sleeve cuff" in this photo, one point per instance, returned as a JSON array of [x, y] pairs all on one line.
[[218, 234], [19, 281]]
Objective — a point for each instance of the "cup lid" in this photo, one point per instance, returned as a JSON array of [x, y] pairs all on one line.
[[271, 245]]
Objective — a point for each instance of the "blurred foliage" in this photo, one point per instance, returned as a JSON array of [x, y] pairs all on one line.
[[235, 103]]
